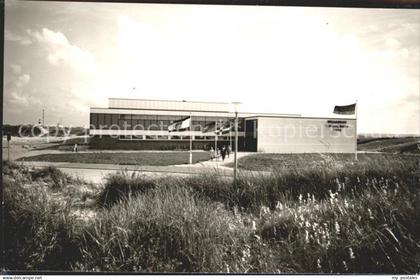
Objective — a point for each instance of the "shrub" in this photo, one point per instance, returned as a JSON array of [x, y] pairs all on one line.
[[40, 233], [55, 178], [121, 186], [374, 232], [362, 218], [166, 229]]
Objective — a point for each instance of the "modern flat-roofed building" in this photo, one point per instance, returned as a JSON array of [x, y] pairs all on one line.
[[143, 124]]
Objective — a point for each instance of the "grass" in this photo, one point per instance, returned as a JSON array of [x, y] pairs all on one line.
[[387, 144], [168, 229], [279, 162], [133, 158], [364, 218], [411, 147], [42, 212]]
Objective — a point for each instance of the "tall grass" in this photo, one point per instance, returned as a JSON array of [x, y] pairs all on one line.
[[376, 231], [364, 218], [121, 186], [251, 192], [166, 229], [40, 233]]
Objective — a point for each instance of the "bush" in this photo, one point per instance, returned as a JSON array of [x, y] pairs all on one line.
[[122, 186], [167, 229], [363, 218], [374, 232], [55, 178], [40, 233]]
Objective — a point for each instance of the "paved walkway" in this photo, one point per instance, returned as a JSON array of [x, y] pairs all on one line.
[[216, 163]]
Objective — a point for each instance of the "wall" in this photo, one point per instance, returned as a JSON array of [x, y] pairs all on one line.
[[306, 135], [167, 105]]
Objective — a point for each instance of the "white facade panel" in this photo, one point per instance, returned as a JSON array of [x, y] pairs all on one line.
[[306, 135], [119, 103], [160, 112], [176, 113]]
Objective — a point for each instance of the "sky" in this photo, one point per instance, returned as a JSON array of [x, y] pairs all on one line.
[[68, 57]]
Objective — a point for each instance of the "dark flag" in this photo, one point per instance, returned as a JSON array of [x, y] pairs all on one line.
[[226, 127], [345, 110], [211, 127], [180, 125]]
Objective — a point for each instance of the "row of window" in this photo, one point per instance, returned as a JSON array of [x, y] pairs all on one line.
[[165, 137], [149, 122]]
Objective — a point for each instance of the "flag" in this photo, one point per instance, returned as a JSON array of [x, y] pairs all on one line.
[[225, 127], [210, 127], [220, 129], [180, 125], [345, 110]]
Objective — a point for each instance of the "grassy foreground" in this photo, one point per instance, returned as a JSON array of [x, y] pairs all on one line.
[[361, 219], [134, 158], [286, 162]]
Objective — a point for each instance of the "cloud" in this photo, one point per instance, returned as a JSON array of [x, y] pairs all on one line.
[[12, 37], [60, 50], [17, 98], [23, 80], [16, 68], [392, 43], [17, 94], [411, 100]]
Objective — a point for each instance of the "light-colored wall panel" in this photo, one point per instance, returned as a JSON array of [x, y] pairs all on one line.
[[305, 135], [167, 105]]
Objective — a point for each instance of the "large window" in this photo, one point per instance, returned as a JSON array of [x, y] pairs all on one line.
[[101, 121], [93, 120], [107, 120], [114, 121], [124, 124], [151, 122]]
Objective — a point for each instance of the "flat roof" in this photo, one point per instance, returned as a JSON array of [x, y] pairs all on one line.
[[187, 101], [204, 111], [249, 115], [252, 115], [299, 117]]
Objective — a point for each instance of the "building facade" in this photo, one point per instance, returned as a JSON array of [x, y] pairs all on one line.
[[143, 124]]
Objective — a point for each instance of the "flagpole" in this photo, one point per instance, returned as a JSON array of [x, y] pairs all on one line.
[[235, 157], [235, 170], [355, 151], [230, 135], [215, 140], [190, 138]]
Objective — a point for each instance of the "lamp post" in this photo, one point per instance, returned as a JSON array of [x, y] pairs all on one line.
[[9, 137], [191, 135], [235, 170], [355, 150]]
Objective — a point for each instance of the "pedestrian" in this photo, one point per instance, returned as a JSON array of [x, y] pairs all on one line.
[[75, 148], [223, 152], [228, 151], [211, 153]]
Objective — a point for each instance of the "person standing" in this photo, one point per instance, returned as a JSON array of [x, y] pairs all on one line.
[[228, 151], [75, 148], [211, 153], [223, 152]]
